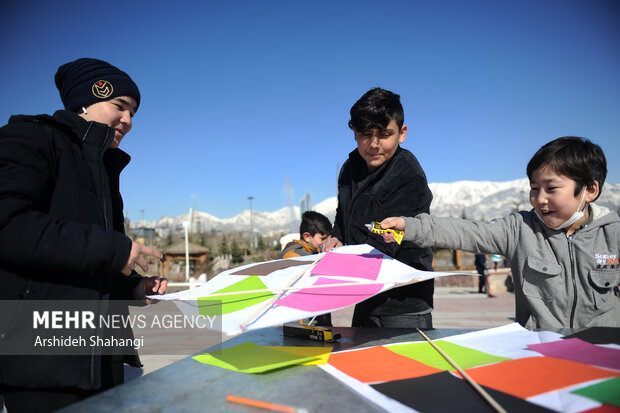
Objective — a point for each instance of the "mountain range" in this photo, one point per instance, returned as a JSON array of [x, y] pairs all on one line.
[[472, 199]]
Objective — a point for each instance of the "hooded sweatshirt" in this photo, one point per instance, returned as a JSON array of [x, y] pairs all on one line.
[[560, 281]]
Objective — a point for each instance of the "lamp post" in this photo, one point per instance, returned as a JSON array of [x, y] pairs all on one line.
[[251, 226], [186, 225]]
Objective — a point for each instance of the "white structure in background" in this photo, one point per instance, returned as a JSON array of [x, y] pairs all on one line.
[[305, 203], [285, 239], [186, 225]]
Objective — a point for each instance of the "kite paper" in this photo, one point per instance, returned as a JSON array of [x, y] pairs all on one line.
[[464, 357], [516, 376], [268, 267], [580, 351], [252, 358], [607, 391], [598, 335], [378, 364], [324, 299], [605, 408], [230, 303], [320, 353], [443, 392], [350, 265], [493, 340], [543, 382], [273, 306]]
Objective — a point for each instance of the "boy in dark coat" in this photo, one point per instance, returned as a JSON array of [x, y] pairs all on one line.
[[378, 180], [62, 228]]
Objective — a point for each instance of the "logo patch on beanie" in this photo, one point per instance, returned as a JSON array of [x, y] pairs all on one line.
[[102, 89]]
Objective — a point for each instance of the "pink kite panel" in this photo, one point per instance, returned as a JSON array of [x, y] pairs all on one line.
[[365, 266], [325, 299], [580, 351]]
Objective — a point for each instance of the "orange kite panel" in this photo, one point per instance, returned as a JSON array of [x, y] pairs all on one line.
[[531, 376], [378, 364]]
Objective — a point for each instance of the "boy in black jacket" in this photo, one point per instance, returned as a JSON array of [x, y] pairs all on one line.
[[381, 179], [62, 230]]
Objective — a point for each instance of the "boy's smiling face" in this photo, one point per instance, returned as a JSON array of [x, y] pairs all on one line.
[[553, 197], [117, 113], [377, 146]]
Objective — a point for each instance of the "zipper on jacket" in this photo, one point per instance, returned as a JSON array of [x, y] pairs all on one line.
[[104, 175], [102, 170], [103, 203], [90, 124], [572, 267]]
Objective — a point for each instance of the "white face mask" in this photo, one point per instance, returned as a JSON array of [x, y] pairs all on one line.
[[577, 215]]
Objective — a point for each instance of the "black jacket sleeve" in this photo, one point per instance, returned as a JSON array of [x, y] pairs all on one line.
[[343, 192]]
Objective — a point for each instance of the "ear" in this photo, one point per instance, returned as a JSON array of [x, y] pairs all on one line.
[[403, 134], [355, 135], [592, 192], [306, 237]]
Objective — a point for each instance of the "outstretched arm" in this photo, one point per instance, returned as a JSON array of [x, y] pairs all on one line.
[[478, 237]]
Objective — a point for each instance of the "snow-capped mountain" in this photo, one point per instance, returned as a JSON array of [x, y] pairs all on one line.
[[474, 199]]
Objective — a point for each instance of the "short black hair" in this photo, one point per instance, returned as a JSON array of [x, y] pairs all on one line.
[[313, 223], [574, 157], [375, 110]]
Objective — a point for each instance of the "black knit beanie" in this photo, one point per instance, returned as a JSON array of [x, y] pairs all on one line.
[[86, 81]]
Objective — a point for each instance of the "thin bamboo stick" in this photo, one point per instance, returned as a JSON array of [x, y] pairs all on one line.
[[475, 385]]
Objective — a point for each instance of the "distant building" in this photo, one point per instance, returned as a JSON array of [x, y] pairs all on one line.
[[144, 235], [196, 226], [197, 255], [305, 203]]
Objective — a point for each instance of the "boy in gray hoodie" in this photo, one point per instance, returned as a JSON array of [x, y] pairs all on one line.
[[563, 253]]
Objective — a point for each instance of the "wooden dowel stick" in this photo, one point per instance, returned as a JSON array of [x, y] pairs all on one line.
[[475, 385]]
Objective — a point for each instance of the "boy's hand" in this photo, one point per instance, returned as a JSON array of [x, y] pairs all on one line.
[[136, 257], [396, 223], [330, 243], [150, 285]]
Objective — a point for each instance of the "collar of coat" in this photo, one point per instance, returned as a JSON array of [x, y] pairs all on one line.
[[359, 169], [90, 133]]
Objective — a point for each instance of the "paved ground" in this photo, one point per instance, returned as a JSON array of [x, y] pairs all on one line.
[[458, 308], [467, 309]]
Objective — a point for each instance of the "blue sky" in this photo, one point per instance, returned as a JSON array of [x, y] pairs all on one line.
[[240, 96]]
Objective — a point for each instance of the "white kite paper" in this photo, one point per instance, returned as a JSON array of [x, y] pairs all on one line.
[[280, 291]]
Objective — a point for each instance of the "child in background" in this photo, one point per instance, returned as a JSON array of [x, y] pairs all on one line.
[[313, 230], [563, 253]]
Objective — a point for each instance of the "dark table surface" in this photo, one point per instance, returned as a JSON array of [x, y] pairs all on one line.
[[189, 386]]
